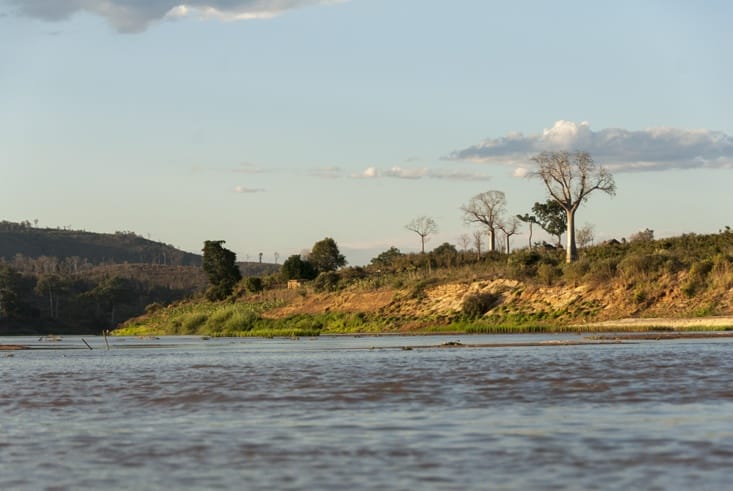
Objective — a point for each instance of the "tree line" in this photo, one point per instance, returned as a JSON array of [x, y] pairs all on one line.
[[569, 179]]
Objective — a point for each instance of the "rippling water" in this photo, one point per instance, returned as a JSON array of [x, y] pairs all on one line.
[[337, 413]]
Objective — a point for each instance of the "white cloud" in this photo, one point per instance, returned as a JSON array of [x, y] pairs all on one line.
[[137, 15], [618, 149], [369, 173], [520, 172], [246, 190]]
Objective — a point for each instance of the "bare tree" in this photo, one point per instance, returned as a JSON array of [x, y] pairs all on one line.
[[510, 227], [478, 237], [569, 179], [424, 227], [464, 240], [487, 209], [276, 255], [585, 235]]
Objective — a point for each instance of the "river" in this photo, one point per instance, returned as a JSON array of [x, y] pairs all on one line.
[[365, 413]]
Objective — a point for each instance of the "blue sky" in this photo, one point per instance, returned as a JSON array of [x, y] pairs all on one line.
[[274, 123]]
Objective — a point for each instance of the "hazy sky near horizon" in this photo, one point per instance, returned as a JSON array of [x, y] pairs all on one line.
[[272, 124]]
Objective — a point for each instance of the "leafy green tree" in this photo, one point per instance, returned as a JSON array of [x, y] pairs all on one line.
[[445, 255], [325, 256], [111, 293], [552, 218], [388, 259], [297, 268], [530, 220], [221, 268]]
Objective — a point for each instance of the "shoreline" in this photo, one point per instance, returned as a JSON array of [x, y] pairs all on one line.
[[721, 322]]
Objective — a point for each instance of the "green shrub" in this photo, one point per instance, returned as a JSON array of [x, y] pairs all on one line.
[[602, 271], [241, 320], [253, 284], [639, 296], [326, 282], [477, 304], [547, 273], [639, 266], [576, 271], [191, 323]]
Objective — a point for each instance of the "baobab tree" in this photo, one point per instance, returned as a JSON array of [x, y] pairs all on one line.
[[424, 227], [487, 209], [569, 179]]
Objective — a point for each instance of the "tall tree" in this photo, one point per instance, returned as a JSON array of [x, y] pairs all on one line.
[[424, 227], [325, 256], [530, 220], [570, 178], [221, 268], [486, 208], [552, 217]]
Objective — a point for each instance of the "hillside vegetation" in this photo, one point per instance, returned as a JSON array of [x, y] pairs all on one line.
[[446, 290], [71, 281]]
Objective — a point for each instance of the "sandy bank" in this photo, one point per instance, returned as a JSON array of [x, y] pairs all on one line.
[[685, 323]]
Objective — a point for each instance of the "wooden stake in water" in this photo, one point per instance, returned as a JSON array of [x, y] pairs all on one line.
[[85, 342]]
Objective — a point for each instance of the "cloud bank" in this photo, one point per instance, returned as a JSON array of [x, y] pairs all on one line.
[[137, 15], [653, 149]]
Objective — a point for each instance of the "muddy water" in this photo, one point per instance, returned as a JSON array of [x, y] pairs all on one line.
[[332, 413]]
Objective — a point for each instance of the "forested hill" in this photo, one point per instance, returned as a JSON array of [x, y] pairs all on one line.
[[87, 247], [72, 281]]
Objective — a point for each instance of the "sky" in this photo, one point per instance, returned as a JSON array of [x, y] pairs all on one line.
[[272, 124]]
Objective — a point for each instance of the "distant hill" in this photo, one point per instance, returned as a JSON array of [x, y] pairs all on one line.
[[94, 248], [77, 250], [257, 269], [57, 280]]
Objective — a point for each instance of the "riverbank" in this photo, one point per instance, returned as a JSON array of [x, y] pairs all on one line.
[[721, 323]]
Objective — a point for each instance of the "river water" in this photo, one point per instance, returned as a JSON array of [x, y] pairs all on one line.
[[362, 413]]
